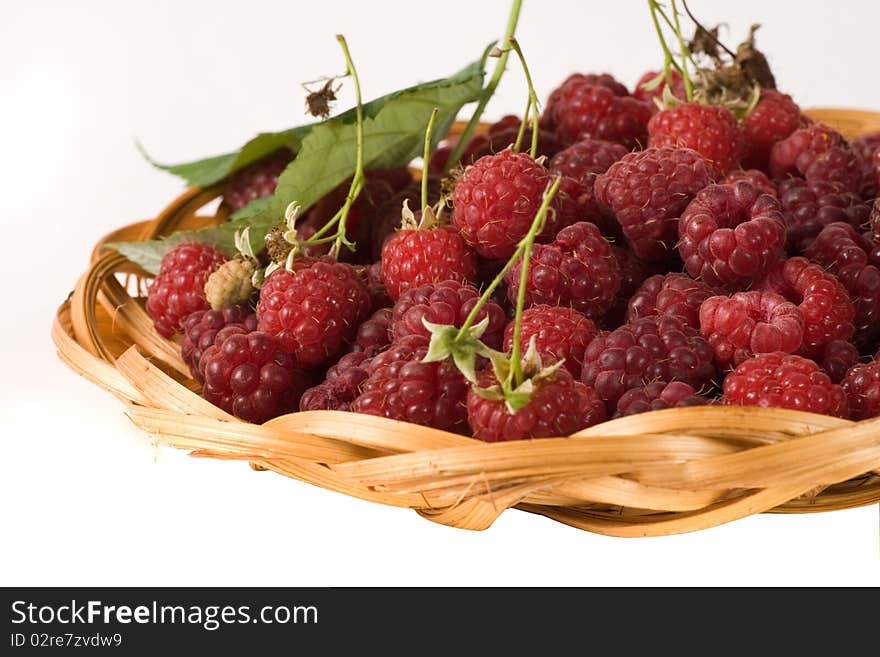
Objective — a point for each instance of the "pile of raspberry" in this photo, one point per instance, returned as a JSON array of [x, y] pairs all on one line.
[[690, 257]]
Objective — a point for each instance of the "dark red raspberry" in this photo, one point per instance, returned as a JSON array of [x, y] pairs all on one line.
[[808, 206], [374, 335], [824, 302], [773, 119], [838, 357], [816, 153], [414, 257], [496, 201], [865, 148], [578, 270], [560, 333], [248, 374], [655, 348], [371, 277], [632, 275], [586, 159], [710, 130], [340, 387], [758, 180], [862, 387], [201, 327], [558, 406], [677, 88], [313, 310], [874, 220], [449, 303], [647, 191], [659, 395], [781, 380], [256, 180], [503, 133], [669, 294], [841, 250], [731, 235], [750, 323], [179, 288], [597, 107], [401, 387]]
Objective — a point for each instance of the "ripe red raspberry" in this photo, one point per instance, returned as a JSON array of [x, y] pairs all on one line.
[[374, 335], [655, 348], [816, 153], [731, 235], [824, 302], [503, 133], [669, 294], [659, 395], [865, 148], [387, 219], [632, 275], [586, 159], [758, 180], [558, 406], [256, 180], [560, 333], [401, 387], [597, 107], [248, 374], [578, 269], [809, 206], [496, 200], [647, 191], [340, 387], [781, 380], [838, 357], [179, 287], [749, 323], [710, 130], [677, 88], [841, 250], [201, 327], [448, 302], [313, 310], [773, 119], [862, 387]]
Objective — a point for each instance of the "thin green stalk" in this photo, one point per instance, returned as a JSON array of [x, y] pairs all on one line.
[[489, 89], [668, 59], [427, 155], [685, 54], [532, 105]]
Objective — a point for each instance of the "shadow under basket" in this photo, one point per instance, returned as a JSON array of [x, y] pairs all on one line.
[[657, 473]]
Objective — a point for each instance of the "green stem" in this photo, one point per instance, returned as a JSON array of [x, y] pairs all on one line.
[[427, 156], [668, 59], [488, 91], [685, 54], [533, 103]]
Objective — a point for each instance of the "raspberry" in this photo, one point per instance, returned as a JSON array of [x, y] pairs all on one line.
[[838, 357], [448, 302], [862, 387], [402, 387], [865, 148], [710, 130], [179, 287], [758, 180], [773, 119], [201, 327], [816, 153], [750, 323], [586, 159], [632, 275], [256, 180], [597, 107], [387, 218], [371, 277], [496, 200], [809, 206], [822, 299], [677, 88], [231, 284], [781, 380], [414, 257], [374, 335], [560, 333], [655, 348], [874, 220], [648, 190], [558, 406], [248, 374], [840, 250], [658, 395], [731, 235], [669, 294], [313, 310], [578, 269], [340, 387], [503, 133]]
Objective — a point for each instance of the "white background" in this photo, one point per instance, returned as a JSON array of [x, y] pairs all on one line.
[[84, 499]]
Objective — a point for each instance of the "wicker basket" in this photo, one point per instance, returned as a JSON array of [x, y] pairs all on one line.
[[652, 474]]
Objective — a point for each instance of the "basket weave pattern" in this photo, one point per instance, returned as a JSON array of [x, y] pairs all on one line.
[[652, 474]]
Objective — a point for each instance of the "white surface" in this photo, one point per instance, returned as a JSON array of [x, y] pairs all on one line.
[[83, 497]]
